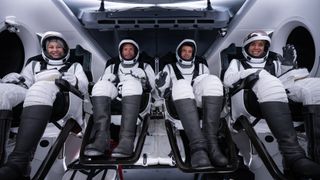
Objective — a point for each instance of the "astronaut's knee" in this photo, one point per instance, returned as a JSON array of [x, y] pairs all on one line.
[[211, 86], [104, 88], [131, 87], [41, 93], [269, 89], [181, 89]]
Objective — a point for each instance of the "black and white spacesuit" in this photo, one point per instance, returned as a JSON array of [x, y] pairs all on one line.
[[125, 78], [193, 86], [39, 75], [273, 101]]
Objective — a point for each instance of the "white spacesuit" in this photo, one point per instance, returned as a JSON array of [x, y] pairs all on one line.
[[125, 77], [192, 86], [272, 99], [39, 75]]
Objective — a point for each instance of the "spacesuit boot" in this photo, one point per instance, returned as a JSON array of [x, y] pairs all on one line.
[[278, 117], [312, 127], [212, 106], [5, 124], [101, 126], [33, 123], [188, 115], [130, 112]]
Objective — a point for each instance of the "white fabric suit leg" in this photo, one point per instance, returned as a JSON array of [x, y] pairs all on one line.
[[269, 88], [274, 107], [182, 89], [207, 85], [35, 116], [131, 99], [102, 94], [209, 95], [307, 91], [185, 104], [10, 96], [41, 93], [104, 88]]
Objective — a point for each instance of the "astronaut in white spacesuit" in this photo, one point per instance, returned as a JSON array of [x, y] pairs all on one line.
[[192, 86], [126, 76], [39, 76], [272, 98]]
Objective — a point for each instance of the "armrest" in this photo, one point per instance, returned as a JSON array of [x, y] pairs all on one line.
[[246, 83], [65, 86]]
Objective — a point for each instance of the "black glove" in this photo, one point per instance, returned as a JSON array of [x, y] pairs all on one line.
[[162, 79], [289, 55]]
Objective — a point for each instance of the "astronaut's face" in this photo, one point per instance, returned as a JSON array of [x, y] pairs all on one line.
[[186, 53], [256, 48], [55, 50], [127, 52]]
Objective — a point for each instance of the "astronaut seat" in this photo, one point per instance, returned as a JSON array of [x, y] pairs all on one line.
[[246, 120], [67, 117]]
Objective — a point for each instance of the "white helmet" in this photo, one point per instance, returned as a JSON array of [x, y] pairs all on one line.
[[47, 37], [188, 42], [255, 36], [136, 51]]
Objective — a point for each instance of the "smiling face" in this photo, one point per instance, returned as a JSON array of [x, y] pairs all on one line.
[[256, 48], [55, 49], [128, 51], [186, 53]]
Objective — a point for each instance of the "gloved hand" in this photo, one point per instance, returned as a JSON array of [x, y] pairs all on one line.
[[47, 75], [289, 55], [161, 79], [138, 73], [247, 72], [13, 78], [110, 77], [70, 77]]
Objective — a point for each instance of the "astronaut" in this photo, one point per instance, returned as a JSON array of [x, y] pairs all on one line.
[[272, 99], [126, 76], [192, 86], [38, 104]]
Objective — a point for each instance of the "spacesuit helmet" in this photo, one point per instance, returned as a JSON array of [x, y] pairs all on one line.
[[57, 37], [255, 36], [186, 42], [135, 57]]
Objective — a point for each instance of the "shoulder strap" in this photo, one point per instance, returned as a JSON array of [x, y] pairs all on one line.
[[140, 64], [198, 60], [196, 69], [33, 66], [176, 71], [244, 64], [269, 66], [65, 68], [114, 61], [43, 65]]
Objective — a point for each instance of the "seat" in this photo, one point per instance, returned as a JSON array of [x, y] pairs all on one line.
[[66, 115], [247, 116]]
